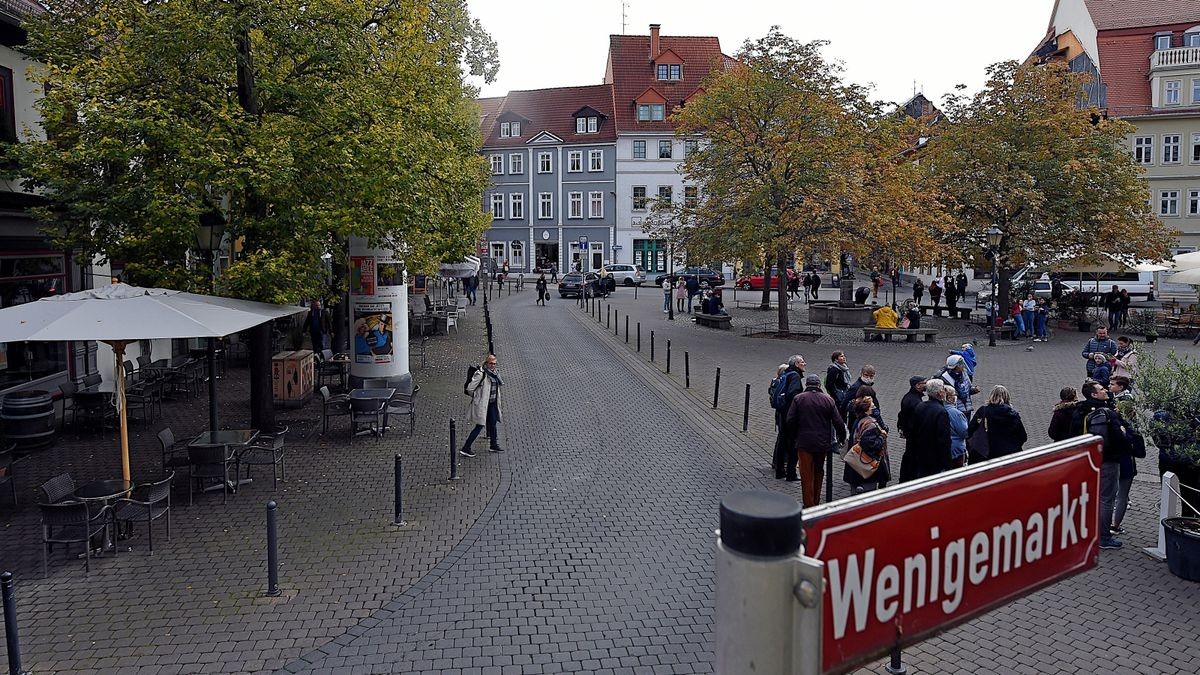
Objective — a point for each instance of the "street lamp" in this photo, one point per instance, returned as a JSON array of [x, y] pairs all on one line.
[[671, 273], [994, 237], [210, 230]]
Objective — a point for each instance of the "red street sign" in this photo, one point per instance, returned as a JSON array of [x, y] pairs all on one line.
[[906, 563]]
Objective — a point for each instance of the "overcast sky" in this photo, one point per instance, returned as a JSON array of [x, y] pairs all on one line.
[[894, 44]]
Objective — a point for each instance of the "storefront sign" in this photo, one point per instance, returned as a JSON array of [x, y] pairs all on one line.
[[907, 563]]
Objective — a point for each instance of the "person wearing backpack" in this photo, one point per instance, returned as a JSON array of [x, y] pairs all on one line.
[[1094, 416], [790, 383], [483, 385], [540, 287]]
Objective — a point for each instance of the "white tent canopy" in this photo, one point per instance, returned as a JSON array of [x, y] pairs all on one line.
[[469, 267], [120, 314]]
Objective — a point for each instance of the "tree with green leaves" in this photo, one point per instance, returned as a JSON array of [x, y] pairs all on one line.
[[304, 122], [797, 159], [1026, 155]]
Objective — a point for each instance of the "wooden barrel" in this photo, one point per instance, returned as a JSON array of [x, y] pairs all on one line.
[[28, 418]]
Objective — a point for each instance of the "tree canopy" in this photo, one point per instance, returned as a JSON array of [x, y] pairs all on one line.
[[306, 122], [796, 159]]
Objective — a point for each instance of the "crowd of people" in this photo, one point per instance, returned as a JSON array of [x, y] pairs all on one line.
[[941, 428]]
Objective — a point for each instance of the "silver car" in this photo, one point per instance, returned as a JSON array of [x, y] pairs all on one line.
[[624, 274]]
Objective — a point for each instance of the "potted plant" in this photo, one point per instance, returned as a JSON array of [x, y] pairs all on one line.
[[1142, 321], [1074, 308]]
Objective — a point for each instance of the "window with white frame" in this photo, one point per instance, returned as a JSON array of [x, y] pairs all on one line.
[[662, 71], [516, 129], [689, 147], [1171, 148], [1143, 149], [575, 161], [516, 255], [593, 124], [1194, 202], [639, 197], [498, 252], [1191, 39], [575, 205], [516, 163], [1162, 41], [581, 125], [691, 196], [664, 149], [670, 71], [497, 165], [595, 205], [595, 160], [1196, 89], [587, 125], [545, 205], [1196, 148], [505, 130], [497, 206], [639, 149], [544, 162], [1171, 92], [664, 194], [516, 206], [1168, 202]]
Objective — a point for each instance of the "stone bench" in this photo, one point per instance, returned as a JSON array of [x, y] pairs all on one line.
[[722, 321], [910, 334], [958, 312]]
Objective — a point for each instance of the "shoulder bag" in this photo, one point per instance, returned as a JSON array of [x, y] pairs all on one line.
[[856, 458], [977, 442]]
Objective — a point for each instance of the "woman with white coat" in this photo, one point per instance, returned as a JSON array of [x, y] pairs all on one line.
[[484, 387]]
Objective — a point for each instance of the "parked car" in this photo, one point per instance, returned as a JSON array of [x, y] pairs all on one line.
[[706, 276], [624, 274], [755, 281], [575, 283]]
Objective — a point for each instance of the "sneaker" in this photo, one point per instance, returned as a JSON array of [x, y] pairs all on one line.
[[1108, 543], [466, 452], [1117, 530], [496, 449]]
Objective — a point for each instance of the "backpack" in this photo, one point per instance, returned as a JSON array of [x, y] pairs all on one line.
[[1101, 423], [471, 370], [779, 397]]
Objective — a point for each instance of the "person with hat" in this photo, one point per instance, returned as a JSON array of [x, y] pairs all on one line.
[[955, 375], [811, 418]]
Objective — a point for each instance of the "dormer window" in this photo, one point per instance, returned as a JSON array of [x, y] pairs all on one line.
[[653, 112], [1191, 39], [505, 129], [1162, 41], [516, 129], [587, 125], [670, 71]]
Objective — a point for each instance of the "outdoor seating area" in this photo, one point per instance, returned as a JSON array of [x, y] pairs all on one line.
[[1176, 320]]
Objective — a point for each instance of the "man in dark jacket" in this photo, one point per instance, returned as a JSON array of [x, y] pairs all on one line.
[[912, 399], [791, 382], [1094, 415], [693, 289], [928, 448], [814, 420], [1101, 344], [961, 282]]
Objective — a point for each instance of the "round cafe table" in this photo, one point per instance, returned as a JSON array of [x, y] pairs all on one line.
[[104, 491]]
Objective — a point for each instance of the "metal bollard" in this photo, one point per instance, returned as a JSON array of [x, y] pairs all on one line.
[[896, 666], [627, 327], [635, 287], [717, 388], [617, 322], [10, 624], [398, 470], [687, 371], [668, 357], [746, 413], [453, 452], [272, 549], [607, 317], [651, 346], [639, 336], [767, 598]]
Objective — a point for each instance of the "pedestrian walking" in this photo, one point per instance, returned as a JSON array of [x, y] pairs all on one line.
[[1094, 416], [1112, 302], [1126, 301], [680, 295], [787, 386], [951, 297], [816, 284], [1122, 398], [793, 286], [918, 289], [319, 326], [553, 273], [927, 452], [1064, 411], [484, 387], [1126, 359], [935, 293], [814, 420], [870, 434], [958, 429], [1001, 423], [837, 379], [1100, 344], [876, 282], [540, 287], [666, 288]]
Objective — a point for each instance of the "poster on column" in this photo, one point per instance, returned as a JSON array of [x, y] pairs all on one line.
[[362, 275], [389, 278], [373, 332]]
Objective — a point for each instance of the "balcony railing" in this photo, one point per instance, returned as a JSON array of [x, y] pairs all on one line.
[[1179, 57]]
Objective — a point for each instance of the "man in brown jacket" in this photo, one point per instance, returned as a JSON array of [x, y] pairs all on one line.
[[814, 421]]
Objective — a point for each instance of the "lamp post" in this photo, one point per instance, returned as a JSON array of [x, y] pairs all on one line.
[[210, 230], [994, 237], [671, 273]]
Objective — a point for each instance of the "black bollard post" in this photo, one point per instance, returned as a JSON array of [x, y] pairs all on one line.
[[635, 287], [639, 336], [627, 327], [668, 357], [607, 317], [687, 371], [10, 624], [272, 550], [717, 388], [746, 412], [617, 322], [896, 666], [453, 453], [651, 346], [399, 492]]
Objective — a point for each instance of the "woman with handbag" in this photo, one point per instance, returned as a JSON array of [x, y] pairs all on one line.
[[996, 430], [866, 461]]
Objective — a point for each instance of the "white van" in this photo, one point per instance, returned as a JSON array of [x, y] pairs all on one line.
[[1139, 284]]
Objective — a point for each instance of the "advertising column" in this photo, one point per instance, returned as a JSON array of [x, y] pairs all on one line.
[[378, 314]]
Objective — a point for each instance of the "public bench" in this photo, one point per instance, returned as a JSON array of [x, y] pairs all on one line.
[[722, 321], [1003, 331], [959, 312], [910, 334]]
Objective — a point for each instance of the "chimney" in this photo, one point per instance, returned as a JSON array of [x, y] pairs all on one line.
[[654, 50]]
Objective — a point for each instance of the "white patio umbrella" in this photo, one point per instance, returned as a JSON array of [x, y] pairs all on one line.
[[1187, 276], [120, 314], [1186, 261]]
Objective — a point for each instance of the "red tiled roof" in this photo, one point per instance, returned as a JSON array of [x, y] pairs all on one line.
[[1114, 14], [488, 107], [631, 72], [552, 111], [1125, 65]]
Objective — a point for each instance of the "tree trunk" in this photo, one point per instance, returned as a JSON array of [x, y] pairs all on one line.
[[781, 266], [766, 290], [262, 407]]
